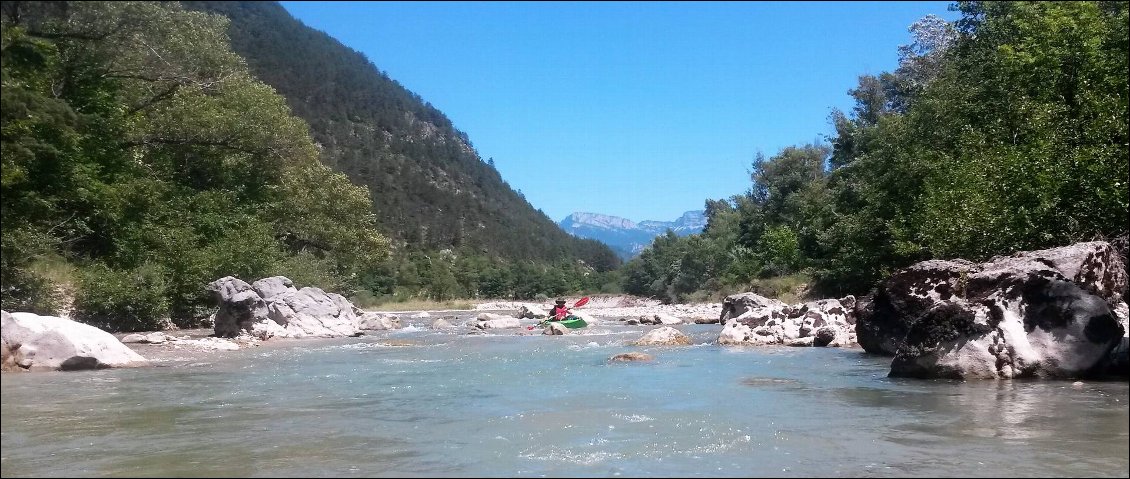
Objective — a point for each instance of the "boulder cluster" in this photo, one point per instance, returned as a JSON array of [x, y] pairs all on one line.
[[1053, 313], [751, 319], [273, 307]]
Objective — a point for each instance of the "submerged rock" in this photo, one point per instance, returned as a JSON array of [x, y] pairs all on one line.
[[633, 356], [555, 329], [442, 323]]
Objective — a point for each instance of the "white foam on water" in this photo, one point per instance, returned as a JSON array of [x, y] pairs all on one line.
[[97, 379], [594, 345], [581, 458], [408, 361], [358, 346], [588, 345], [717, 446], [596, 332], [634, 417]]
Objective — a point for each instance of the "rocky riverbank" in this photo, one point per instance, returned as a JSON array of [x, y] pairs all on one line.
[[1055, 313]]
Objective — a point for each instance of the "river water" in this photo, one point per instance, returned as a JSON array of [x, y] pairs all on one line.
[[417, 402]]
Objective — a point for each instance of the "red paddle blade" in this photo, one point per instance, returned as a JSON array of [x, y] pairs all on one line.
[[581, 302]]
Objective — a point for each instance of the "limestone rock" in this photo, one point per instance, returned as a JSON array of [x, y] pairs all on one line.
[[664, 336], [33, 342]]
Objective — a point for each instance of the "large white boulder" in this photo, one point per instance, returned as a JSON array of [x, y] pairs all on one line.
[[272, 307], [33, 342], [311, 312], [1051, 313]]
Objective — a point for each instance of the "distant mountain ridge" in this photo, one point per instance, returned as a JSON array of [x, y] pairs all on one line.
[[626, 237]]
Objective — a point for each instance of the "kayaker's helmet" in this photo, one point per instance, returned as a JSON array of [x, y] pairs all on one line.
[[561, 302]]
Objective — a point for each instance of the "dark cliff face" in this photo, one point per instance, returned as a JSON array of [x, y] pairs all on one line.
[[428, 185]]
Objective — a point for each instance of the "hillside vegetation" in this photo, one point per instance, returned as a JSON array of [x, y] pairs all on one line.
[[141, 160], [457, 228], [1003, 131], [149, 148], [430, 189], [144, 157]]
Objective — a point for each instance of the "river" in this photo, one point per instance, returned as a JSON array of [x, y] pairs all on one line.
[[416, 402]]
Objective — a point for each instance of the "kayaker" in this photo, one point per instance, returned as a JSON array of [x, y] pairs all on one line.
[[559, 311]]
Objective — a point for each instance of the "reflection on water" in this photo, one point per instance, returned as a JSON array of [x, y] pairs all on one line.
[[428, 403]]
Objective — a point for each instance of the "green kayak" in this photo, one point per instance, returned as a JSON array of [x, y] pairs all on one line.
[[571, 322]]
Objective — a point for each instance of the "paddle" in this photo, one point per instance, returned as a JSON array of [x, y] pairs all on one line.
[[580, 302]]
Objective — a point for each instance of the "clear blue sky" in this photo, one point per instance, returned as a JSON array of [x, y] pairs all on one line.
[[640, 110]]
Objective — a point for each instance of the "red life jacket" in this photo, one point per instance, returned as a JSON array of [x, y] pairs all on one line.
[[560, 312]]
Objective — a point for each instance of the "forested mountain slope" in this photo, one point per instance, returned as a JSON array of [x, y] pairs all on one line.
[[141, 160], [430, 189]]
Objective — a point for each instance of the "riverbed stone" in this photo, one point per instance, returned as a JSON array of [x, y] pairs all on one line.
[[765, 322], [240, 307], [46, 343], [555, 329], [663, 336], [496, 321], [524, 312], [377, 321], [312, 312], [632, 356]]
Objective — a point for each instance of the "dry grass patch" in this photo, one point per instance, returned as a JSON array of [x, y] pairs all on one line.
[[424, 305]]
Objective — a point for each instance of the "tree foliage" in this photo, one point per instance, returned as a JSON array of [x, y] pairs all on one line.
[[138, 145], [1003, 131]]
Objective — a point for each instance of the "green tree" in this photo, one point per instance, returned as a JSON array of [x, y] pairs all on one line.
[[134, 139]]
